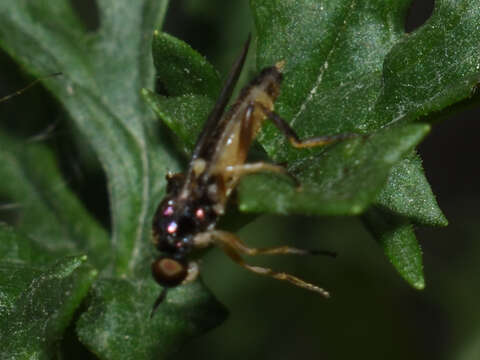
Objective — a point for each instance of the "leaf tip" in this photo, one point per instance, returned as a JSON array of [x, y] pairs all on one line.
[[357, 209], [419, 284], [441, 220]]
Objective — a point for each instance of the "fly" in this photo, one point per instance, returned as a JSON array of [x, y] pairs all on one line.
[[185, 220]]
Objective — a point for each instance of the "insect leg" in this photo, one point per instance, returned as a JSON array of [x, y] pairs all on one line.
[[233, 246], [284, 276], [296, 142], [193, 271], [252, 168], [246, 134], [210, 237], [238, 171]]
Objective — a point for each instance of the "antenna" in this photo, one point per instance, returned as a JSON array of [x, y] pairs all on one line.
[[33, 83]]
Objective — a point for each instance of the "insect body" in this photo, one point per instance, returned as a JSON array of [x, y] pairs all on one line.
[[186, 218]]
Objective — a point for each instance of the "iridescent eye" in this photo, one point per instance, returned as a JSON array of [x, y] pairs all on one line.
[[200, 214], [168, 211], [172, 227]]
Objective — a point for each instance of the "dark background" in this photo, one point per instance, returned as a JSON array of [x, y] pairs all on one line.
[[373, 313]]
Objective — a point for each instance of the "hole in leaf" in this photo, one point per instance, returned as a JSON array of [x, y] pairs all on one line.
[[418, 13], [87, 12]]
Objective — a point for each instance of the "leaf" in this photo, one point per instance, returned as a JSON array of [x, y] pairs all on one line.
[[327, 93], [20, 261], [434, 67], [332, 193], [397, 238], [334, 82], [184, 115], [334, 52], [192, 84], [39, 311], [15, 247], [407, 193], [335, 77], [181, 69], [32, 179], [103, 74], [125, 306], [343, 180]]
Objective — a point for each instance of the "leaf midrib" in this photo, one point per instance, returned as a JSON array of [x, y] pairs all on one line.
[[323, 67]]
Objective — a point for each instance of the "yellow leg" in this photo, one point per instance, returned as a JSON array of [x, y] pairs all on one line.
[[193, 271], [252, 168], [318, 141], [295, 141], [285, 277], [233, 247], [238, 171]]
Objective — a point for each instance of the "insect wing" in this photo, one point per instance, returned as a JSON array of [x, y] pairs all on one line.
[[212, 128]]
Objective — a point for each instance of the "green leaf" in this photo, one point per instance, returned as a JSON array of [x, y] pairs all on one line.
[[408, 194], [345, 71], [397, 238], [103, 74], [16, 247], [334, 52], [39, 313], [32, 179], [344, 180], [192, 85], [20, 262], [181, 69], [335, 82], [435, 66], [335, 77], [100, 89], [317, 88], [126, 305], [184, 115]]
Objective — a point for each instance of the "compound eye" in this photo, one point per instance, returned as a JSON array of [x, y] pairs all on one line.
[[200, 214], [169, 272]]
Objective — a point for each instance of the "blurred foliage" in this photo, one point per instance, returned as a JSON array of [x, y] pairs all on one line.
[[58, 212]]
